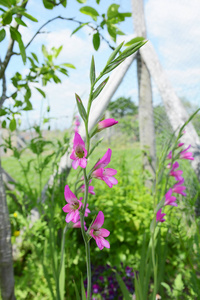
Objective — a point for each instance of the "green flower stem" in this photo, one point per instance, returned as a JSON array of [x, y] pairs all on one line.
[[86, 241]]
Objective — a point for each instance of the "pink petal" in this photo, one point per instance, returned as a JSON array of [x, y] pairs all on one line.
[[78, 141], [105, 160], [69, 216], [98, 221], [75, 163], [106, 123], [67, 208], [104, 232], [83, 162], [109, 172], [69, 196], [73, 155]]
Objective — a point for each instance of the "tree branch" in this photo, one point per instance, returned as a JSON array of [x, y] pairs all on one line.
[[9, 52]]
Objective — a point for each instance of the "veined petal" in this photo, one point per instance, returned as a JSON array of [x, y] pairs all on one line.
[[67, 208], [109, 172], [73, 155], [69, 196], [78, 141], [83, 162], [98, 221], [69, 216], [75, 163], [104, 232], [105, 160]]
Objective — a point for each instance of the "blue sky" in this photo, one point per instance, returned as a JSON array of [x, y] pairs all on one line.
[[173, 27]]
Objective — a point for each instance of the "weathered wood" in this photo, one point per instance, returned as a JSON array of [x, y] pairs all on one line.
[[146, 118], [173, 105]]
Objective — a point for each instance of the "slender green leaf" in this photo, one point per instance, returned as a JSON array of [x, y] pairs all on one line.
[[83, 294], [44, 51], [81, 108], [35, 57], [125, 292], [81, 1], [62, 278], [99, 88], [79, 27], [133, 41], [28, 16], [88, 10], [5, 3], [92, 71], [22, 50], [114, 53], [20, 22], [76, 291], [68, 65], [41, 92], [96, 41], [2, 34]]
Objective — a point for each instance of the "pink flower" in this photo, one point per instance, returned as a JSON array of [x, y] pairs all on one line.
[[159, 216], [178, 188], [180, 144], [169, 199], [79, 153], [99, 233], [90, 189], [169, 156], [78, 225], [106, 123], [106, 175], [73, 206], [176, 173], [104, 161], [186, 155]]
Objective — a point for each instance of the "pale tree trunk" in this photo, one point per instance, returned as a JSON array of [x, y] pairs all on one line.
[[146, 118], [174, 108], [6, 264]]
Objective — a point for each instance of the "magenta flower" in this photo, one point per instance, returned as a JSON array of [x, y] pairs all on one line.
[[78, 225], [186, 155], [178, 188], [159, 216], [106, 175], [90, 189], [169, 156], [106, 123], [180, 144], [99, 233], [169, 199], [79, 153], [104, 161], [176, 173], [73, 206]]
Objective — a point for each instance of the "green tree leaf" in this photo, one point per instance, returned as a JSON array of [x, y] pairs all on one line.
[[28, 16], [88, 10], [2, 34], [12, 125], [79, 27], [20, 22], [96, 41], [68, 65], [41, 92], [3, 124], [5, 3]]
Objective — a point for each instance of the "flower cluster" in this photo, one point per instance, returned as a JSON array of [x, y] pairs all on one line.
[[178, 187], [105, 285], [74, 206]]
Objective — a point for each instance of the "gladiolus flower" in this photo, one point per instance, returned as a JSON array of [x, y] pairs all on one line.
[[99, 233], [178, 188], [159, 216], [106, 123], [176, 173], [78, 225], [180, 144], [79, 153], [169, 156], [186, 155], [106, 175], [169, 199], [90, 189], [73, 206]]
